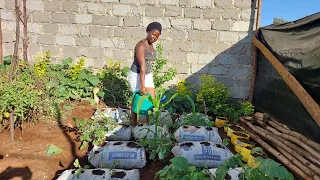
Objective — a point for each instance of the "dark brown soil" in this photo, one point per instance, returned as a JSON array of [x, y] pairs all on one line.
[[98, 172], [119, 174], [205, 143], [247, 141], [133, 145], [189, 144], [236, 128], [240, 134]]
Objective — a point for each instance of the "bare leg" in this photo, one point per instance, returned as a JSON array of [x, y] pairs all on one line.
[[134, 118]]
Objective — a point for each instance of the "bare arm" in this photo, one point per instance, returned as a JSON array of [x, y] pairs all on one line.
[[140, 55]]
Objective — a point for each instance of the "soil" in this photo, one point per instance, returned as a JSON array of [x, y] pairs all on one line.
[[26, 159], [236, 128], [240, 134], [247, 141]]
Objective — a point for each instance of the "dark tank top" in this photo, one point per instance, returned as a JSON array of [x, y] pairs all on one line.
[[149, 57]]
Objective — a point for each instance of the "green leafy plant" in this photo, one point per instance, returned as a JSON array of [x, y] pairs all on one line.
[[225, 141], [182, 170], [114, 88], [94, 130], [79, 170], [268, 169], [159, 147], [214, 93], [159, 77], [196, 119], [180, 103]]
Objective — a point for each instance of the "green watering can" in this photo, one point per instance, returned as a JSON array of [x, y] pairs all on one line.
[[146, 104]]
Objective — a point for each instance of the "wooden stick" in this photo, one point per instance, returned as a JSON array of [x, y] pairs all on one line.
[[307, 101], [303, 152], [295, 140], [297, 163], [1, 53], [275, 153], [25, 31], [255, 56], [301, 137], [270, 137]]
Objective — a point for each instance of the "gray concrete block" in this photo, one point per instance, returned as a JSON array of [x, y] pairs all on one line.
[[150, 2], [202, 24], [223, 25], [83, 41], [168, 2], [52, 6], [95, 8], [54, 50], [121, 32], [226, 36], [203, 35], [153, 11], [65, 40], [107, 42], [185, 3], [132, 21], [138, 33], [121, 10], [83, 18], [192, 12], [200, 47], [69, 6], [203, 3], [38, 16], [223, 3], [50, 28], [69, 51], [231, 13], [105, 20], [45, 39], [60, 18], [34, 5], [207, 58], [212, 13], [66, 29], [173, 11], [243, 3], [177, 34], [181, 23]]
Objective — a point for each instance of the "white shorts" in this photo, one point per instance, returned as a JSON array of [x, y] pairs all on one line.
[[134, 81]]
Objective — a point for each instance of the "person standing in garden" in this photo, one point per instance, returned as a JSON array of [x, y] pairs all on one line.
[[140, 76]]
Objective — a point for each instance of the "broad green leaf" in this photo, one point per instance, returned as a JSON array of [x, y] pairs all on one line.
[[164, 171], [93, 80], [221, 172], [185, 177], [180, 163], [76, 163], [67, 61], [257, 149], [271, 168], [125, 70], [53, 150], [101, 94]]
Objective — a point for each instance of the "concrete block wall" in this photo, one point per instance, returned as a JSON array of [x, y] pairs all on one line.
[[199, 36]]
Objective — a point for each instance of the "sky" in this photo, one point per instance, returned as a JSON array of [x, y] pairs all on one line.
[[289, 10]]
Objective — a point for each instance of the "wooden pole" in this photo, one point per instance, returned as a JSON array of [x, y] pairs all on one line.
[[13, 64], [255, 56], [1, 53], [308, 102], [25, 31]]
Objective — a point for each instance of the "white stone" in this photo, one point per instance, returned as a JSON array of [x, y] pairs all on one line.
[[107, 43], [83, 19], [168, 2], [203, 3], [34, 27], [64, 40], [181, 23], [240, 26], [33, 5], [202, 24], [121, 10], [226, 36], [95, 8]]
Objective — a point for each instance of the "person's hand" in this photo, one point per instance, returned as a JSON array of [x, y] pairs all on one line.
[[142, 90]]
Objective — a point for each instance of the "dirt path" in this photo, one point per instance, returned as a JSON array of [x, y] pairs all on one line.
[[26, 159]]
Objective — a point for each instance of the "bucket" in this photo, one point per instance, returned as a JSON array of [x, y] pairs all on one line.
[[146, 104]]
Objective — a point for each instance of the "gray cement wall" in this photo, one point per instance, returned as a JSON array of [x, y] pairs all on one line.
[[199, 36]]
